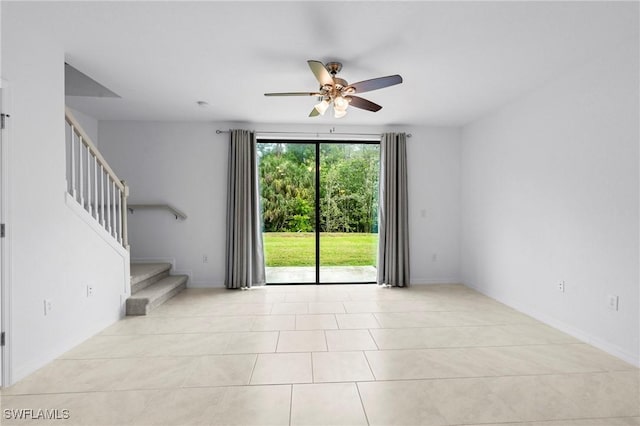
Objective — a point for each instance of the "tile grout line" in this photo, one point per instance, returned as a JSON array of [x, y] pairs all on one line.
[[202, 315], [364, 411], [286, 384], [391, 349], [462, 377], [373, 338], [290, 403], [255, 362], [375, 317], [366, 358]]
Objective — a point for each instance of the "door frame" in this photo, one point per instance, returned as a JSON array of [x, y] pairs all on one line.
[[317, 143], [5, 243]]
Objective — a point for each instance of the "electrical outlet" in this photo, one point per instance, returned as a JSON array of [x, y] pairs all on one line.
[[48, 306], [612, 302], [561, 286], [90, 290], [205, 258]]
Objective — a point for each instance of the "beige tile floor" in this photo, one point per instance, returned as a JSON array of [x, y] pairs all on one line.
[[354, 355]]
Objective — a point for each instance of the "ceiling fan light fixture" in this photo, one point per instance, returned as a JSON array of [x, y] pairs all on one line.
[[337, 113], [322, 106], [340, 103]]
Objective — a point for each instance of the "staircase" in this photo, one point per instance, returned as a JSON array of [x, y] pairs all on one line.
[[151, 286]]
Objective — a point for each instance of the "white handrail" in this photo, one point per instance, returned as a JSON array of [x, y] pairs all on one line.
[[93, 184], [86, 140], [177, 213]]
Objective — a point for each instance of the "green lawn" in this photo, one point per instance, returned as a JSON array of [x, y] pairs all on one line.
[[336, 249]]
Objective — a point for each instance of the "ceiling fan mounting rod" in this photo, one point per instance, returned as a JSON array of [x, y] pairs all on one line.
[[333, 68]]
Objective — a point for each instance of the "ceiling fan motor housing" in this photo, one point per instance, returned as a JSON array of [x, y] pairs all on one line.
[[341, 83]]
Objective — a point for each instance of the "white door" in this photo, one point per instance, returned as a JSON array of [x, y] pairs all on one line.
[[2, 240], [5, 376], [2, 207], [5, 285]]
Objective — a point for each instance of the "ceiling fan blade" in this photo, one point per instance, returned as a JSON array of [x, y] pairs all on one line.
[[321, 73], [358, 102], [294, 94], [376, 83], [314, 113]]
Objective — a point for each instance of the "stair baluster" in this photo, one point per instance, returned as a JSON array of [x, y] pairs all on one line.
[[104, 201]]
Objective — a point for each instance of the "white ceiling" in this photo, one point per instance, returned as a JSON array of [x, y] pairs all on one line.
[[459, 60]]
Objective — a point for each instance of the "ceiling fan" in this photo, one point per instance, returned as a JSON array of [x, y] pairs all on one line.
[[337, 92]]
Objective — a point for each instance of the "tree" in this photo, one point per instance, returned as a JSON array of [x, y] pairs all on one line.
[[348, 187], [286, 189]]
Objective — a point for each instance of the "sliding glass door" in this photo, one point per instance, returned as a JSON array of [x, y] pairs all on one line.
[[287, 173], [319, 205], [348, 211]]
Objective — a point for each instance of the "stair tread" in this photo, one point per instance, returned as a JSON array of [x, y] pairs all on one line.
[[142, 271], [160, 288]]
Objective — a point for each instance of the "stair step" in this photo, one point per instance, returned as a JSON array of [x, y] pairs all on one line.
[[155, 294], [145, 274]]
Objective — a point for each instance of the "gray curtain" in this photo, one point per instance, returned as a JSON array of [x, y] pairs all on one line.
[[244, 256], [393, 247]]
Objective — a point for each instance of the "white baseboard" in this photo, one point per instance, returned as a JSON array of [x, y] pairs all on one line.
[[579, 334], [204, 284], [445, 280]]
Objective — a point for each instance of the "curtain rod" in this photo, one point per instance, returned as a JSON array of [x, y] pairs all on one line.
[[218, 131]]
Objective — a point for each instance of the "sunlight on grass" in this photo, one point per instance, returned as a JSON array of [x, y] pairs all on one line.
[[336, 249]]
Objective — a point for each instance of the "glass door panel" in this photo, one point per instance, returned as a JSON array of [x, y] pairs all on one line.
[[348, 212], [287, 174]]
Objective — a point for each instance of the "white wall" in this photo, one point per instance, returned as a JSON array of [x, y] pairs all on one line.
[[185, 164], [54, 254], [550, 193], [182, 164], [88, 123], [433, 156]]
